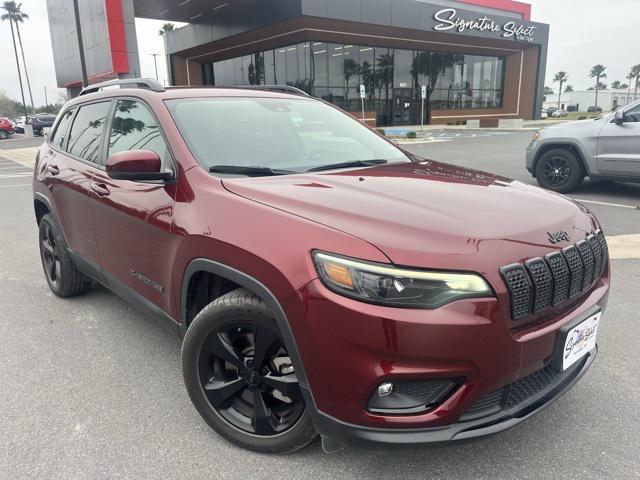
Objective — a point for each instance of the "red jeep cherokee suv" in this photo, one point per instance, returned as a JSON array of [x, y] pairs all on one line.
[[324, 280]]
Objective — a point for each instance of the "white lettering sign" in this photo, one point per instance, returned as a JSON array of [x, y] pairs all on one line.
[[449, 20], [363, 91]]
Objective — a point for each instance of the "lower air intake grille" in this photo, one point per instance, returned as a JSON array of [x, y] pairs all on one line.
[[514, 395]]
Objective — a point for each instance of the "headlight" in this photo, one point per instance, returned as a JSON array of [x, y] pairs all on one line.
[[396, 287]]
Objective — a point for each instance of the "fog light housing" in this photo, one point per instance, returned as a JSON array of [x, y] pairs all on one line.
[[407, 397]]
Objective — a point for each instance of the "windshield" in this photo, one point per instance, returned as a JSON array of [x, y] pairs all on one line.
[[294, 135]]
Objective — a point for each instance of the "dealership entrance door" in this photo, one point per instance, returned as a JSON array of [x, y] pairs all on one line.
[[405, 107]]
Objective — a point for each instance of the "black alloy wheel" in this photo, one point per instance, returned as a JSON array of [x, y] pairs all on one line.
[[50, 255], [559, 170], [556, 171], [63, 278], [247, 376], [240, 376], [3, 135]]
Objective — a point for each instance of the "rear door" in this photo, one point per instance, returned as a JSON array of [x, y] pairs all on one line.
[[69, 162], [619, 145], [134, 219]]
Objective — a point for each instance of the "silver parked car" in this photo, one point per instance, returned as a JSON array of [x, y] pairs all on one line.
[[608, 148]]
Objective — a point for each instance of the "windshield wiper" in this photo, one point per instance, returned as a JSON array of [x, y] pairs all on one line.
[[249, 171], [356, 163]]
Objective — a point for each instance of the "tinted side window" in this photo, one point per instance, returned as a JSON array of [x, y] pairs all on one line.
[[85, 137], [633, 114], [135, 128], [59, 137]]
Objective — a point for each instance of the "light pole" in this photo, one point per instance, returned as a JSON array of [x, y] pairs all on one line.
[[155, 62], [46, 102], [83, 65]]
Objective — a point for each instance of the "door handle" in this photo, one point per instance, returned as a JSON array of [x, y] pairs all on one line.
[[53, 169], [100, 189]]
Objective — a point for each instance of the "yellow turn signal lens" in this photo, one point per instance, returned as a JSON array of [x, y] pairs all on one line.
[[338, 274]]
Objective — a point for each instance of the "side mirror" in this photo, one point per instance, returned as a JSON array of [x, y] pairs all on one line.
[[137, 166], [618, 117]]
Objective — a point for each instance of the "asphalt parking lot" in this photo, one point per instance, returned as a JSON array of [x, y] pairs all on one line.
[[91, 389]]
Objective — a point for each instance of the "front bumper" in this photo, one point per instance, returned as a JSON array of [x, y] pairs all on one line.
[[348, 348], [495, 418], [532, 150]]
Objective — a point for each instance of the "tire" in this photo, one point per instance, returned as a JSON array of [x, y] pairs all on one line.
[[559, 170], [62, 276], [218, 331], [3, 135]]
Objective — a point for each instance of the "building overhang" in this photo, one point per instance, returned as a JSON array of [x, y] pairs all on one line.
[[434, 26]]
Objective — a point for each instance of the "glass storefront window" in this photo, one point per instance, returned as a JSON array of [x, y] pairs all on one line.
[[402, 69], [392, 77], [320, 64]]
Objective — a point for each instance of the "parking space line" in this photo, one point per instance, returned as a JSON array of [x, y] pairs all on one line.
[[16, 175], [624, 246], [618, 205]]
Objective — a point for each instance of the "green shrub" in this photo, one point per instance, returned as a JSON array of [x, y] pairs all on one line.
[[412, 135], [582, 118], [381, 131]]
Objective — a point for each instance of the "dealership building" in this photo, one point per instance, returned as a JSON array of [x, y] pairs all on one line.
[[470, 59]]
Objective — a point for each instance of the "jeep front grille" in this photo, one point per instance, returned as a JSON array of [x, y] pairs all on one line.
[[547, 282]]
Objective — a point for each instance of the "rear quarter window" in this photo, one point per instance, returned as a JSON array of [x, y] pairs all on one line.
[[59, 136]]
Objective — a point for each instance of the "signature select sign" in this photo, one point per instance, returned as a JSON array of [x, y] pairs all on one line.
[[449, 20]]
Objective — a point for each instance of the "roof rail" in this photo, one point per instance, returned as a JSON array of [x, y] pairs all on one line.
[[277, 88], [147, 83]]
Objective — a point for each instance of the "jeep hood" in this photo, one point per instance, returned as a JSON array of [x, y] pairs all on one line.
[[427, 213]]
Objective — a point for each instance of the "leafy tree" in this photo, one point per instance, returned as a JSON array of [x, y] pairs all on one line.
[[9, 107], [568, 89], [167, 27], [561, 77], [598, 72]]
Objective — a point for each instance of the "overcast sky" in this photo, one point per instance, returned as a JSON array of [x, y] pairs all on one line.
[[583, 33]]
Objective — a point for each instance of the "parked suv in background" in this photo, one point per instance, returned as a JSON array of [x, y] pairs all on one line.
[[42, 121], [324, 280], [6, 128], [561, 156]]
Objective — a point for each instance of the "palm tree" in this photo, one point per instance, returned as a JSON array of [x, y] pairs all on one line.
[[19, 17], [351, 68], [630, 78], [635, 72], [10, 7], [384, 71], [568, 89], [560, 77], [167, 27], [616, 85], [598, 72]]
